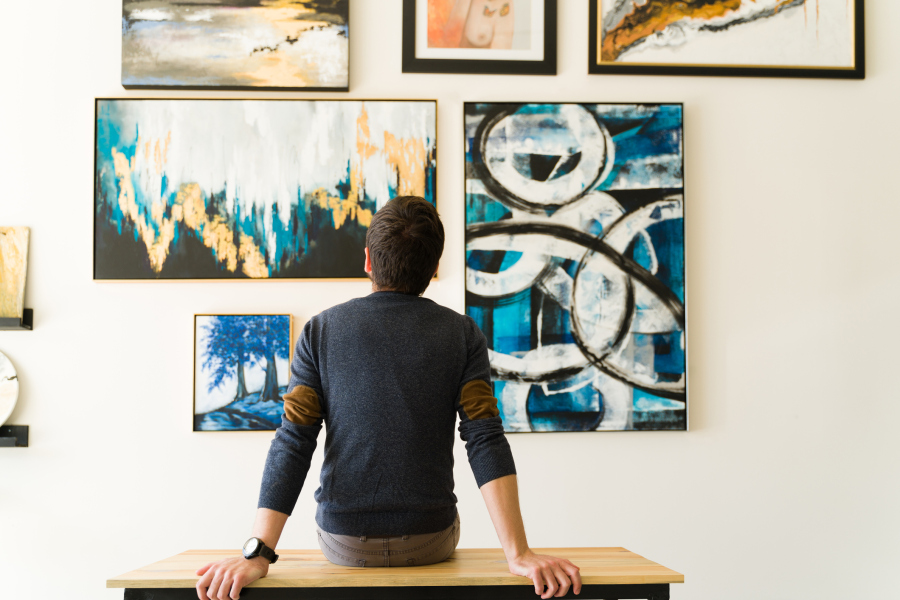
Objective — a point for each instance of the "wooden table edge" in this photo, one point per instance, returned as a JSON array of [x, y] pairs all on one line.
[[387, 577]]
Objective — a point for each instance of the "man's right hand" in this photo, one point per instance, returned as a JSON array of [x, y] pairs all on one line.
[[557, 574], [223, 580]]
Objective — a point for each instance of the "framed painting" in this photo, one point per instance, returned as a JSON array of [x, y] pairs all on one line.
[[499, 37], [241, 370], [763, 38], [575, 262], [224, 189], [236, 44], [13, 270]]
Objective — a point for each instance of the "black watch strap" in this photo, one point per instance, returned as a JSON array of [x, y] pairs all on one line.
[[259, 549], [268, 553]]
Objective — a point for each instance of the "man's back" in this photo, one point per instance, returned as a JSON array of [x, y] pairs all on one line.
[[390, 373]]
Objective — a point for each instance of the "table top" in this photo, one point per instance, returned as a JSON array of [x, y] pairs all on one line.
[[466, 567]]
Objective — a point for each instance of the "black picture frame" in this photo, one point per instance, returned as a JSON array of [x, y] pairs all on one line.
[[857, 71], [239, 88], [506, 226], [133, 266], [412, 64]]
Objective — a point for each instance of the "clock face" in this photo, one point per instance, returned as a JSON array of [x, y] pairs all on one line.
[[251, 546]]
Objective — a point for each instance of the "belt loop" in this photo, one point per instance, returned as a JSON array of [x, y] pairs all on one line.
[[362, 538]]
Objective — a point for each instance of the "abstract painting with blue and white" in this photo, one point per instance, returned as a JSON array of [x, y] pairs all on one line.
[[240, 371], [236, 44], [575, 262], [220, 189]]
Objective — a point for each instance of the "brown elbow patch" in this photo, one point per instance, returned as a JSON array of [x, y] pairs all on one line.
[[477, 399], [301, 406]]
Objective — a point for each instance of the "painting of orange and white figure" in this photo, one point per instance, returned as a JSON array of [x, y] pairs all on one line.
[[817, 34], [480, 29]]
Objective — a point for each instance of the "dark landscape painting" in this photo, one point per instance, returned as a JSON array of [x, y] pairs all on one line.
[[233, 44], [240, 371]]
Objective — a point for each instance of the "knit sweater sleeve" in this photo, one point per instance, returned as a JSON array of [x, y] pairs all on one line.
[[481, 427], [295, 440]]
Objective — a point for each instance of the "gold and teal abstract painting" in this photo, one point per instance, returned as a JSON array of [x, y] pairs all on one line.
[[212, 189], [241, 365], [575, 262], [236, 44]]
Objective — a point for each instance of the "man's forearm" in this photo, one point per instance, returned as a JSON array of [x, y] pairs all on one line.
[[268, 526], [558, 574], [502, 499]]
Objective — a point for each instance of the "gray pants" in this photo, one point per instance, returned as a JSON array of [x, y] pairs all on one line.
[[402, 551]]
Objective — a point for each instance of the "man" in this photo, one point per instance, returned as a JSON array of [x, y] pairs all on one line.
[[389, 373]]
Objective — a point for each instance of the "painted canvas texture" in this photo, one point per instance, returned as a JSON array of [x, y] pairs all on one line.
[[241, 371], [575, 262], [212, 189], [13, 269], [495, 24], [235, 44], [774, 33]]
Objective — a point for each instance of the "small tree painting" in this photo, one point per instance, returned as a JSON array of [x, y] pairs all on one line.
[[241, 370]]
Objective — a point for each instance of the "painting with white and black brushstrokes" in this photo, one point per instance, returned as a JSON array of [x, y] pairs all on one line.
[[575, 262], [234, 44], [780, 34], [241, 371], [212, 189]]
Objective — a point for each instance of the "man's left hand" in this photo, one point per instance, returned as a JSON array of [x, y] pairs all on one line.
[[223, 580]]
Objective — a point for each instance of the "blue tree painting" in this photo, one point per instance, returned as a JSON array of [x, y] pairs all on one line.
[[575, 262], [241, 371]]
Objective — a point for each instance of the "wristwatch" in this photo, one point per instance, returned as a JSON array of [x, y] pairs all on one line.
[[256, 547]]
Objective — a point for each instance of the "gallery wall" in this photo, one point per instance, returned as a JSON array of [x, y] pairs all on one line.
[[786, 485]]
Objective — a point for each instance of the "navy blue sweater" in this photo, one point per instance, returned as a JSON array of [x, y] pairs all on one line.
[[387, 374]]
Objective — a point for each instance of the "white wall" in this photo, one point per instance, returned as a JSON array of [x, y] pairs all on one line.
[[788, 484]]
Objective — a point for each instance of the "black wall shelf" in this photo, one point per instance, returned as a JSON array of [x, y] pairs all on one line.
[[24, 324], [14, 436]]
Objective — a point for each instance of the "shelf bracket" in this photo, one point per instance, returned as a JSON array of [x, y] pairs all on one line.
[[26, 323], [14, 436]]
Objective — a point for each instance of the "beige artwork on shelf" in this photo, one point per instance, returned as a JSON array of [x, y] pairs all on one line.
[[13, 266]]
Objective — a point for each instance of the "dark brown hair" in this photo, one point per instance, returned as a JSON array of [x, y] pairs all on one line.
[[405, 242]]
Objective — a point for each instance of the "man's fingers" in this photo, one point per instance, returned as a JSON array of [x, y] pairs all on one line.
[[538, 581], [563, 579], [224, 587], [207, 576], [236, 587], [201, 591], [214, 585], [550, 582], [575, 575], [204, 569], [205, 579]]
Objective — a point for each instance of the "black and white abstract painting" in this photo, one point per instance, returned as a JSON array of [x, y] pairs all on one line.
[[575, 262]]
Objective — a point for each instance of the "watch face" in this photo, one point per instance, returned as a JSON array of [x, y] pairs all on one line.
[[251, 546]]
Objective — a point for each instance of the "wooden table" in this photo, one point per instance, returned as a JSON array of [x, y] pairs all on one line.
[[470, 574]]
